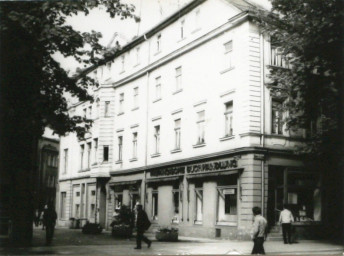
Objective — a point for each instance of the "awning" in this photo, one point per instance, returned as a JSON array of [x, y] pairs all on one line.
[[127, 182], [163, 179], [212, 174]]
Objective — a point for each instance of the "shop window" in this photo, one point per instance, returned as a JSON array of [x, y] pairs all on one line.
[[134, 199], [154, 205], [118, 201], [199, 205], [63, 205], [176, 198], [304, 196]]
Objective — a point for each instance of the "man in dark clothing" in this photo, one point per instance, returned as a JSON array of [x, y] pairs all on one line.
[[142, 224], [49, 218]]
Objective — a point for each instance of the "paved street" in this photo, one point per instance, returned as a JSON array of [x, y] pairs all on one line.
[[67, 242]]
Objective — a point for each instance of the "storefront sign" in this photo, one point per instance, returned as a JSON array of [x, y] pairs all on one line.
[[170, 171], [211, 166], [195, 168]]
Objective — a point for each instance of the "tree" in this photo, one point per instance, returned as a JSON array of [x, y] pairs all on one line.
[[309, 35], [32, 90]]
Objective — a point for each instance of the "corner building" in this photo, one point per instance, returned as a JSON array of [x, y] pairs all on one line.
[[185, 125]]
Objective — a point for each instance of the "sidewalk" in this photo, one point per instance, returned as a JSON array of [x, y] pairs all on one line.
[[73, 242]]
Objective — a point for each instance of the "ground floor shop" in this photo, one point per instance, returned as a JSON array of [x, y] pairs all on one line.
[[208, 197]]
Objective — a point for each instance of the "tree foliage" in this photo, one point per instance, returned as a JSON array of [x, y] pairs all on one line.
[[32, 81], [309, 34]]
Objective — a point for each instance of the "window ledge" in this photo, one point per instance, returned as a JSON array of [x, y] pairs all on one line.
[[133, 159], [227, 138], [195, 30], [157, 53], [137, 64], [94, 164], [274, 66], [177, 150], [177, 91], [198, 222], [121, 113], [136, 108], [226, 70], [199, 145], [155, 155], [118, 162], [176, 222], [156, 100], [122, 72]]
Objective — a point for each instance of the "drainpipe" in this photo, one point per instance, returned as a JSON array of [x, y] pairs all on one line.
[[146, 135], [262, 139]]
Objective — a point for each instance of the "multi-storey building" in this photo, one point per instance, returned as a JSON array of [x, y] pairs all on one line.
[[185, 125]]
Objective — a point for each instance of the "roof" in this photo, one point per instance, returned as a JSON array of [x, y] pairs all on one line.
[[242, 5]]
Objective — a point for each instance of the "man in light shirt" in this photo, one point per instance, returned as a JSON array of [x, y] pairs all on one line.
[[258, 231], [286, 218]]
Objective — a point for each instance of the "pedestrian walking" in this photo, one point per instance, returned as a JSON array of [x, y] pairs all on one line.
[[258, 231], [142, 224], [286, 218], [49, 218]]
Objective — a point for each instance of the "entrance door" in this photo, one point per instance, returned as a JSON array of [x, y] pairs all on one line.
[[275, 194]]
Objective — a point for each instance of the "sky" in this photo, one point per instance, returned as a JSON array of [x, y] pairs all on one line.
[[150, 11]]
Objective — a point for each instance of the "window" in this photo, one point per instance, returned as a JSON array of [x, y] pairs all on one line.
[[63, 202], [65, 160], [276, 118], [200, 127], [158, 87], [229, 119], [98, 107], [158, 43], [77, 194], [136, 97], [108, 65], [89, 147], [106, 153], [154, 205], [277, 59], [82, 148], [182, 23], [93, 193], [122, 63], [228, 55], [177, 133], [199, 205], [84, 112], [95, 145], [106, 110], [137, 55], [118, 201], [178, 78], [120, 147], [175, 206], [135, 145], [227, 202], [156, 139], [121, 103]]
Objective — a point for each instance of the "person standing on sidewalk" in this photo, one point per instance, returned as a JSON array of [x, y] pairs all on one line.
[[258, 231], [49, 218], [142, 224], [286, 218]]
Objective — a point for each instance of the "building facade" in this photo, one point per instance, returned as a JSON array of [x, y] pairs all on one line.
[[185, 125]]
